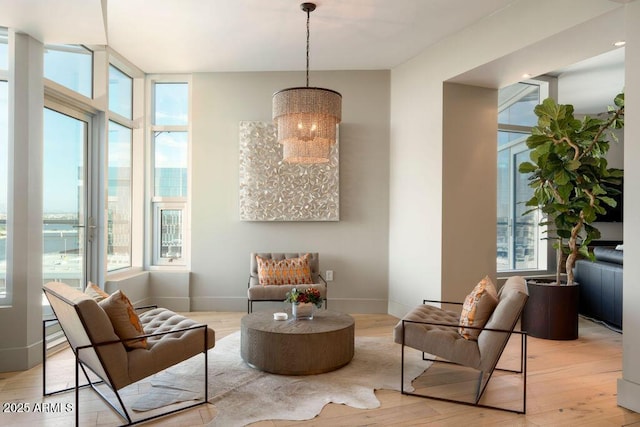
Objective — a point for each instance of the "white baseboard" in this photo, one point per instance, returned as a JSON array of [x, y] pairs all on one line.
[[345, 305], [398, 310], [629, 395], [20, 358], [177, 304]]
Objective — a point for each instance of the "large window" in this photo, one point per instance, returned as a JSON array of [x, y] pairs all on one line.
[[119, 170], [4, 162], [119, 197], [170, 148], [120, 93], [66, 225], [519, 244], [71, 66]]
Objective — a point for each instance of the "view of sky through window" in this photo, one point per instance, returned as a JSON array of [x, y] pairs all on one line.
[[171, 104], [70, 66]]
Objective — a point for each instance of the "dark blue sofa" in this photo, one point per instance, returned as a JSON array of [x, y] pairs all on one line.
[[601, 286]]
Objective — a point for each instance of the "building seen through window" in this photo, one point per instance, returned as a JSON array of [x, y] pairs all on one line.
[[519, 244], [170, 139]]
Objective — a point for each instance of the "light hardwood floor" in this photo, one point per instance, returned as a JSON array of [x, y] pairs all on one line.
[[569, 383]]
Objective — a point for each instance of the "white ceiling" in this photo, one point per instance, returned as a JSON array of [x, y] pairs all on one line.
[[165, 36], [592, 84], [185, 36]]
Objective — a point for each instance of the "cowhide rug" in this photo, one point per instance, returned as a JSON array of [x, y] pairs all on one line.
[[243, 395]]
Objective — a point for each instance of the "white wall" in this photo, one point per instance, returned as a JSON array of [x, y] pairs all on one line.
[[356, 247], [469, 158], [629, 384], [493, 53]]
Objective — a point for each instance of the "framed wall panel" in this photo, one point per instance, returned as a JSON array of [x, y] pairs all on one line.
[[272, 190]]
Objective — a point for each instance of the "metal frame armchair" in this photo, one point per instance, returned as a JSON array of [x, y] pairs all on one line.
[[275, 293], [98, 350], [434, 331]]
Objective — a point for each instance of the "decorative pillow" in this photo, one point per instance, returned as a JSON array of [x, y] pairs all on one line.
[[95, 292], [477, 308], [124, 319], [291, 271]]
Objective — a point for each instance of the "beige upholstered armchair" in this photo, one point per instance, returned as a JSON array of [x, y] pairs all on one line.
[[95, 332], [479, 346], [281, 272]]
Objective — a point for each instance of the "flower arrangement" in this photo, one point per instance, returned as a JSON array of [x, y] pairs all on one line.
[[309, 295]]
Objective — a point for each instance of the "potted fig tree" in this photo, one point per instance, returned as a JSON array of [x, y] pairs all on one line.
[[572, 185]]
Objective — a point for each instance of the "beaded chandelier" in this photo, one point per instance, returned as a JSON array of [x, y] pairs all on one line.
[[307, 117]]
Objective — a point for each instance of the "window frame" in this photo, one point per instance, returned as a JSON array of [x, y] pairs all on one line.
[[156, 203], [7, 298], [114, 115], [62, 88], [546, 253], [131, 194], [159, 260], [138, 165]]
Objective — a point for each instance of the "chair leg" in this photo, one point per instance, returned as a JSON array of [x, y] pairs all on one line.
[[122, 411], [482, 385]]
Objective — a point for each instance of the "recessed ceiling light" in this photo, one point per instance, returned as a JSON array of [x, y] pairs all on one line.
[[526, 76], [619, 43]]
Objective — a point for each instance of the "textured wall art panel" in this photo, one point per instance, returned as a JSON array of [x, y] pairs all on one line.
[[272, 190]]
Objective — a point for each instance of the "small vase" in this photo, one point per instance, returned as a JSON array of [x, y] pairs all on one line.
[[303, 311]]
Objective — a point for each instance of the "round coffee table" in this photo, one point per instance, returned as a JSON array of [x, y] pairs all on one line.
[[297, 347]]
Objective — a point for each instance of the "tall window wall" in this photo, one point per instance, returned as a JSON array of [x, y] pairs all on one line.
[[519, 244], [4, 163], [170, 163], [68, 169], [119, 170]]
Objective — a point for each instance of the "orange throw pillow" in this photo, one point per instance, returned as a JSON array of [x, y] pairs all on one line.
[[124, 319], [477, 308], [291, 271]]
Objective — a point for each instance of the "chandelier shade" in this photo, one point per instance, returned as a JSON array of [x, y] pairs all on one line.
[[307, 117]]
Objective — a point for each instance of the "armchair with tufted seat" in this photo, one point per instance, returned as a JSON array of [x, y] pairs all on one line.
[[441, 333], [95, 338]]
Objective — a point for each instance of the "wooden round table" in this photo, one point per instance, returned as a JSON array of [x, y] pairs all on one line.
[[297, 347]]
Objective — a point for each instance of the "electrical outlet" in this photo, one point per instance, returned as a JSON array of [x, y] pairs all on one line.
[[329, 275]]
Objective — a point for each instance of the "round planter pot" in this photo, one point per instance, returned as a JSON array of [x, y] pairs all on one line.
[[551, 312]]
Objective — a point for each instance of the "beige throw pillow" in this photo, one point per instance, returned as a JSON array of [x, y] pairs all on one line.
[[477, 308], [95, 292], [124, 319]]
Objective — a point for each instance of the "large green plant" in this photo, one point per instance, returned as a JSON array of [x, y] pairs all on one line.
[[569, 174]]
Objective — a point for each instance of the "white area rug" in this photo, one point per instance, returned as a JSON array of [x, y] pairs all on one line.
[[243, 395]]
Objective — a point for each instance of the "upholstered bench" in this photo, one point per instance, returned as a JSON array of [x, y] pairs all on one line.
[[95, 336]]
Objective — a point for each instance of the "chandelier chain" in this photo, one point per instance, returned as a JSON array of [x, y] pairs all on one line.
[[308, 15]]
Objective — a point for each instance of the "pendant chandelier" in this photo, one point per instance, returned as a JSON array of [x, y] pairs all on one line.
[[307, 117]]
